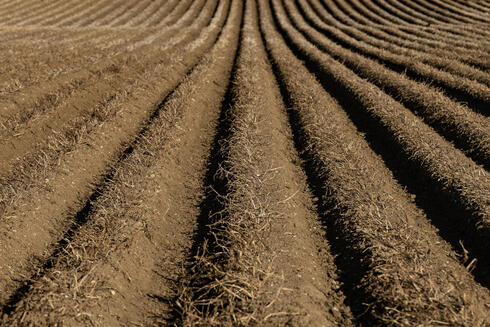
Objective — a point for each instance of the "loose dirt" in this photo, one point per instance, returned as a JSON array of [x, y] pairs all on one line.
[[244, 163]]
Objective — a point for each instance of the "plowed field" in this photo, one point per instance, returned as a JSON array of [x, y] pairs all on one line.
[[244, 163]]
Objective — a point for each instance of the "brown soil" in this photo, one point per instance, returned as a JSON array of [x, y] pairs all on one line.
[[244, 163]]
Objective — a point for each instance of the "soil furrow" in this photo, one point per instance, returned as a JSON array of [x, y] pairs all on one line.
[[140, 16], [430, 31], [40, 99], [114, 15], [143, 17], [410, 12], [396, 12], [44, 62], [467, 7], [383, 242], [459, 16], [449, 118], [409, 56], [465, 31], [29, 7], [39, 18], [378, 8], [8, 6], [462, 53], [25, 19], [137, 11], [416, 6], [478, 6], [258, 227], [62, 15], [84, 15], [62, 189], [28, 136], [147, 210], [367, 14], [179, 9], [130, 13], [452, 176], [99, 17], [474, 94], [472, 16], [161, 13], [244, 163]]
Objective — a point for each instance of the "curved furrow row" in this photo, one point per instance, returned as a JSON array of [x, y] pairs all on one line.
[[471, 56], [256, 250], [35, 35], [30, 63], [27, 121], [446, 11], [54, 19], [114, 14], [402, 8], [427, 36], [472, 32], [429, 13], [178, 10], [437, 54], [130, 13], [390, 258], [395, 11], [24, 19], [463, 9], [477, 6], [12, 14], [450, 118], [108, 42], [350, 14], [145, 14], [474, 93], [77, 19], [56, 182], [455, 8], [407, 56], [245, 163], [366, 14], [378, 9], [137, 211], [430, 31], [471, 35], [6, 6], [98, 16], [445, 170], [40, 17], [36, 100], [160, 14], [374, 14], [437, 15]]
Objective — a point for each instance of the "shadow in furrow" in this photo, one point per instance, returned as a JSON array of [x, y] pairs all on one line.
[[211, 208], [441, 207], [83, 215], [349, 271], [215, 185], [477, 105], [451, 134]]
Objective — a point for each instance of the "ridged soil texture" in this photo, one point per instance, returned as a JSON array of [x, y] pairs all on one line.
[[244, 163]]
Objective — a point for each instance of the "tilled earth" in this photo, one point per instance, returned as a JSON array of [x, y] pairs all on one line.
[[244, 163]]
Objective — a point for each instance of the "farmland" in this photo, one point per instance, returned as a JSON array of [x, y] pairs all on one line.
[[244, 163]]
